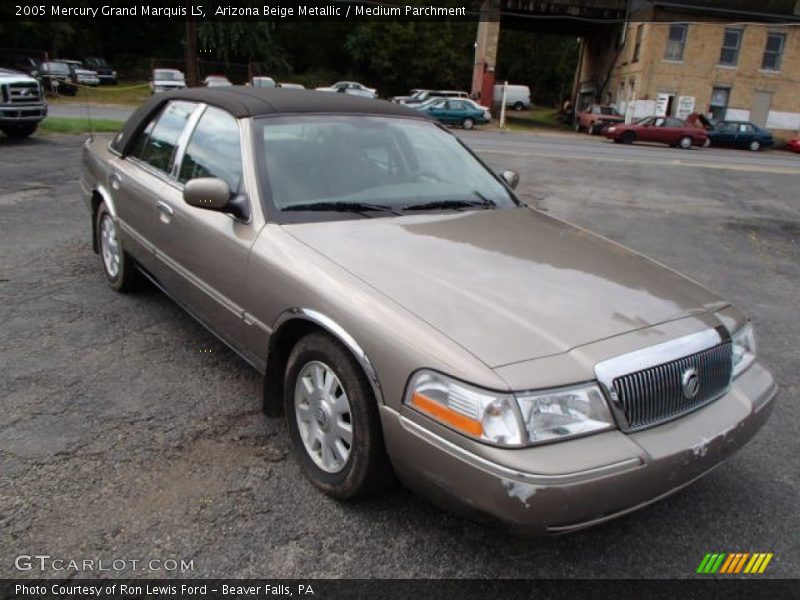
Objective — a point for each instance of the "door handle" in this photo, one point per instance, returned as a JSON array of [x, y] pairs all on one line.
[[165, 210], [116, 180]]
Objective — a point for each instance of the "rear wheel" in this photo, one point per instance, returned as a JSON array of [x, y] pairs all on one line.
[[627, 137], [332, 417], [468, 123], [518, 106], [685, 142], [118, 267], [755, 145], [19, 130]]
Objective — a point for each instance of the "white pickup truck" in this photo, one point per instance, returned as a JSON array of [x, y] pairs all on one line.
[[22, 104]]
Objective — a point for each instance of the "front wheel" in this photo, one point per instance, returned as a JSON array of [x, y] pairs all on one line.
[[332, 417], [755, 145], [19, 130], [518, 106], [685, 142], [468, 123], [627, 138]]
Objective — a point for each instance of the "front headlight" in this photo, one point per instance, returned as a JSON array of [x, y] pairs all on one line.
[[508, 419], [611, 129], [744, 349]]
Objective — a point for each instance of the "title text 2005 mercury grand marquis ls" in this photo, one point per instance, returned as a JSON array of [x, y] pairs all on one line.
[[412, 316]]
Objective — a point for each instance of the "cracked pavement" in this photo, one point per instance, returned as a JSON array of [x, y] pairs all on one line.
[[128, 431]]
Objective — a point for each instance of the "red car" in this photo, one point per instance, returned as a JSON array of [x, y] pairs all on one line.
[[794, 145], [664, 130]]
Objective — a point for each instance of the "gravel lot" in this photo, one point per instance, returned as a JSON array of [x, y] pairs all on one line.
[[128, 431]]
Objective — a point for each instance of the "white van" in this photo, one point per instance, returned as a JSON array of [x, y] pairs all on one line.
[[518, 97]]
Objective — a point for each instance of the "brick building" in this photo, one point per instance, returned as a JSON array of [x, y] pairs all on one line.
[[731, 69]]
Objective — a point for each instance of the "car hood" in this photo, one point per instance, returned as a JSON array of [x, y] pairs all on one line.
[[508, 285]]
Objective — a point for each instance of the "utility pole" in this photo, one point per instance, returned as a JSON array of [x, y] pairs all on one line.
[[192, 77]]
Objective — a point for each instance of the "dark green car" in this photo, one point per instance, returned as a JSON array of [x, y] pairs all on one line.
[[457, 112], [740, 134]]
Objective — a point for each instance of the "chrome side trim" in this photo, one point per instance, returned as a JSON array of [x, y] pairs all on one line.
[[108, 200], [249, 319], [140, 239], [507, 473], [342, 335], [608, 370]]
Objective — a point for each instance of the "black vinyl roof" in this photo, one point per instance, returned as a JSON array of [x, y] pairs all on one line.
[[246, 101]]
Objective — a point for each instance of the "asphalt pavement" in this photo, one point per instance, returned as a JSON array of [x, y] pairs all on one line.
[[128, 431]]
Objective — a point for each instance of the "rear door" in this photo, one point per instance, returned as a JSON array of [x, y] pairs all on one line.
[[139, 180]]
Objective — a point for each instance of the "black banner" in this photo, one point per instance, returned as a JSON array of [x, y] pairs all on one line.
[[387, 589]]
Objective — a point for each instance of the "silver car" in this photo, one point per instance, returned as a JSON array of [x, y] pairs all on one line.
[[412, 318]]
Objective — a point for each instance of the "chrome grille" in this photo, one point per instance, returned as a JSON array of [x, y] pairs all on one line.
[[655, 394], [23, 93]]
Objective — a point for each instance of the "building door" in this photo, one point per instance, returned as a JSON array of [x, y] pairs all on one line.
[[761, 105], [719, 102], [665, 104]]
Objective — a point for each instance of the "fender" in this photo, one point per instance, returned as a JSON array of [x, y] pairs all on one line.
[[341, 334]]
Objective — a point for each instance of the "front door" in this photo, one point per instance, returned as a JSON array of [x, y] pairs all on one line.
[[204, 251], [762, 101]]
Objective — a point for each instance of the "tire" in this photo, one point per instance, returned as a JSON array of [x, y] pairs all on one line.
[[755, 146], [627, 137], [318, 427], [518, 106], [19, 130], [468, 123], [685, 143], [118, 268]]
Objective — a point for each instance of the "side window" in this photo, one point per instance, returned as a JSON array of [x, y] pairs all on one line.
[[214, 150], [157, 143]]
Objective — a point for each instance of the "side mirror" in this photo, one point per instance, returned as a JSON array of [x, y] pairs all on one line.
[[511, 178], [207, 192]]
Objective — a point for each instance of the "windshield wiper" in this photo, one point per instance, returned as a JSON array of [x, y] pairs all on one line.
[[446, 204], [356, 207]]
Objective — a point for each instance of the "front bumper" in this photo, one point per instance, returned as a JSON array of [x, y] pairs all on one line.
[[20, 114], [574, 484]]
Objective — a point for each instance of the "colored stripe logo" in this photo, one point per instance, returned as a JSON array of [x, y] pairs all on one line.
[[731, 563]]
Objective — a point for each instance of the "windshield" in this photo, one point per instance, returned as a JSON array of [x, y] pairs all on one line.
[[168, 75], [608, 110], [57, 68], [384, 162]]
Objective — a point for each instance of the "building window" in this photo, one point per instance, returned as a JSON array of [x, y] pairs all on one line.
[[731, 43], [676, 42], [773, 52], [637, 47], [719, 102]]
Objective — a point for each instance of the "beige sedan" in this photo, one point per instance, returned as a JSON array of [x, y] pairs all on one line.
[[412, 318]]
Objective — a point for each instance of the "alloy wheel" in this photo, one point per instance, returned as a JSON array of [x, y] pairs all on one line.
[[323, 415], [109, 246]]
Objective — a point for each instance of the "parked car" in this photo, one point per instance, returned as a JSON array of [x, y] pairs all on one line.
[[518, 97], [740, 134], [486, 353], [18, 62], [793, 145], [456, 111], [406, 99], [424, 96], [291, 86], [80, 75], [165, 80], [22, 103], [350, 87], [263, 82], [664, 130], [55, 77], [105, 72], [595, 118], [216, 81]]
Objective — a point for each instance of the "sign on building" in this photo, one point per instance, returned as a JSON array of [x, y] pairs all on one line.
[[686, 106], [662, 105]]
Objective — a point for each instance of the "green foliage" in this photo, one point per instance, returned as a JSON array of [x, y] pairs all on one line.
[[239, 41], [546, 63]]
